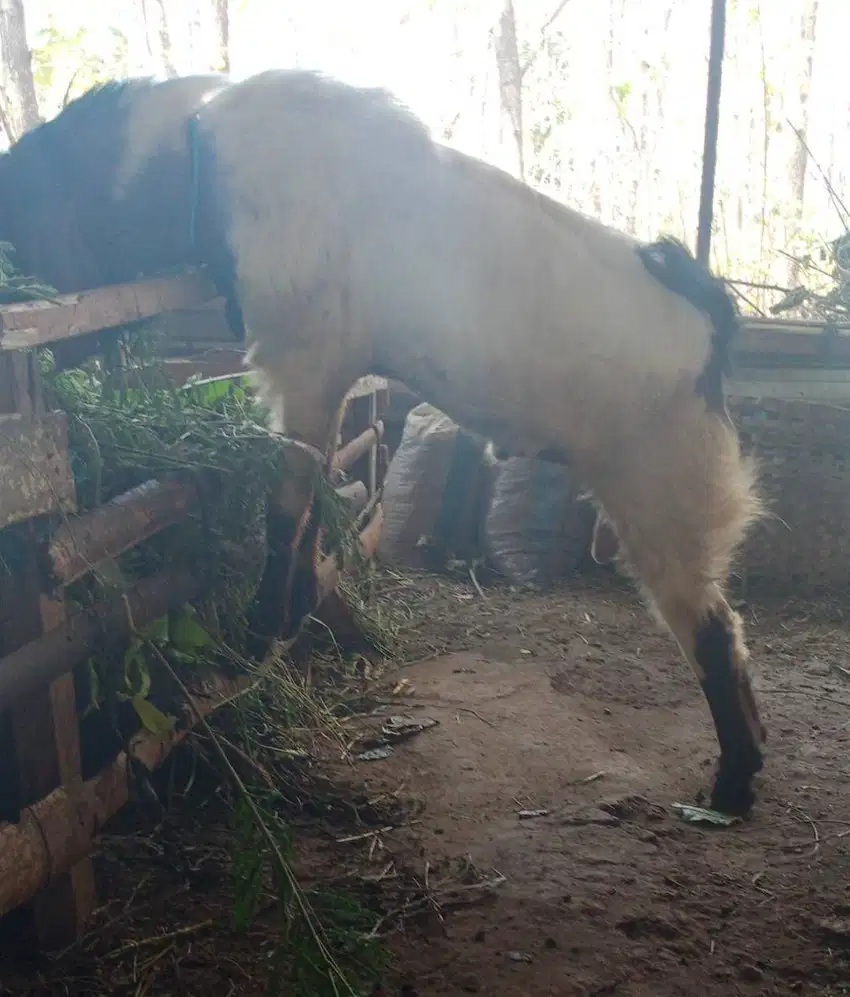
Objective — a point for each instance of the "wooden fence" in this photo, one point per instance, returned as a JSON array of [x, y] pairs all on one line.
[[46, 842]]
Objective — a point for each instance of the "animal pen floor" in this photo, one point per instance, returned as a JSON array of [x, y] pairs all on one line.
[[570, 702]]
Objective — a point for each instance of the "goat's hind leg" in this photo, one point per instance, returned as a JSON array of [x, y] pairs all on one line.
[[681, 506], [712, 640]]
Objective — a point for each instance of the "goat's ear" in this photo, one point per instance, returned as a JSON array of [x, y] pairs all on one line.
[[605, 544]]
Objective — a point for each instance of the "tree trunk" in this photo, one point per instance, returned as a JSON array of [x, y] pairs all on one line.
[[800, 159], [18, 106], [221, 15], [510, 81], [157, 25]]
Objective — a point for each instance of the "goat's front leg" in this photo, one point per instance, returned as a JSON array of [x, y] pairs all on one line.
[[307, 409]]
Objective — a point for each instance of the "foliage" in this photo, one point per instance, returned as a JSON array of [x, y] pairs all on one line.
[[301, 954], [14, 286], [127, 422], [824, 292], [65, 65]]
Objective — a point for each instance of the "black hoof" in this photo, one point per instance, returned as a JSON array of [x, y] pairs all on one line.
[[733, 792]]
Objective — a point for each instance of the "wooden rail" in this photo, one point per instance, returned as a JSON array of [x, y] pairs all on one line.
[[45, 843], [39, 323]]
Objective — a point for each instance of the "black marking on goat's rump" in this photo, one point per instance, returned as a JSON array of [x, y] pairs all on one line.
[[671, 263], [730, 699]]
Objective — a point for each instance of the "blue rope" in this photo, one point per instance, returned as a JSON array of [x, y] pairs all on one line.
[[195, 193]]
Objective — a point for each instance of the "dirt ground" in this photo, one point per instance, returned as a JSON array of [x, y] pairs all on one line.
[[538, 853]]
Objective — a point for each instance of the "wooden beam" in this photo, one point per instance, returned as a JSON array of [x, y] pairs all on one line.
[[83, 542], [25, 670], [35, 471], [327, 574], [30, 324], [360, 445], [802, 339]]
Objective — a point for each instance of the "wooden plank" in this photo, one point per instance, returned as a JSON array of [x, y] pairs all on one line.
[[81, 543], [809, 339], [35, 470], [37, 663], [791, 325], [37, 323], [346, 457]]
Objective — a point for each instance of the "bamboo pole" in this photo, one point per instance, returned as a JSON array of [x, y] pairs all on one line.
[[59, 650], [328, 571], [354, 450], [83, 542]]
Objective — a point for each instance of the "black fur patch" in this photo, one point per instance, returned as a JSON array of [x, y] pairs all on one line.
[[740, 755], [671, 263]]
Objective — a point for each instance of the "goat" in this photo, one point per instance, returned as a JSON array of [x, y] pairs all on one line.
[[349, 242]]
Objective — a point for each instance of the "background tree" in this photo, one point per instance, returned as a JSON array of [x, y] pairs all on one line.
[[19, 105], [510, 83], [221, 20]]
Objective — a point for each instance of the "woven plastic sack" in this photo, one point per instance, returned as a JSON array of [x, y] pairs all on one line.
[[536, 528], [432, 490]]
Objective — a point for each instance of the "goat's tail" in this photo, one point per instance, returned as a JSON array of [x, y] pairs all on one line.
[[671, 263]]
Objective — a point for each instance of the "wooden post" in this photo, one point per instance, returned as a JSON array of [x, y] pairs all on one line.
[[44, 728]]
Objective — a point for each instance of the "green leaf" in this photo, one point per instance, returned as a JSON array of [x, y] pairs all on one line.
[[209, 392], [137, 678], [152, 718], [187, 634], [699, 815]]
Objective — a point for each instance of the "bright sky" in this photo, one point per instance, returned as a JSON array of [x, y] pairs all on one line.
[[362, 42]]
